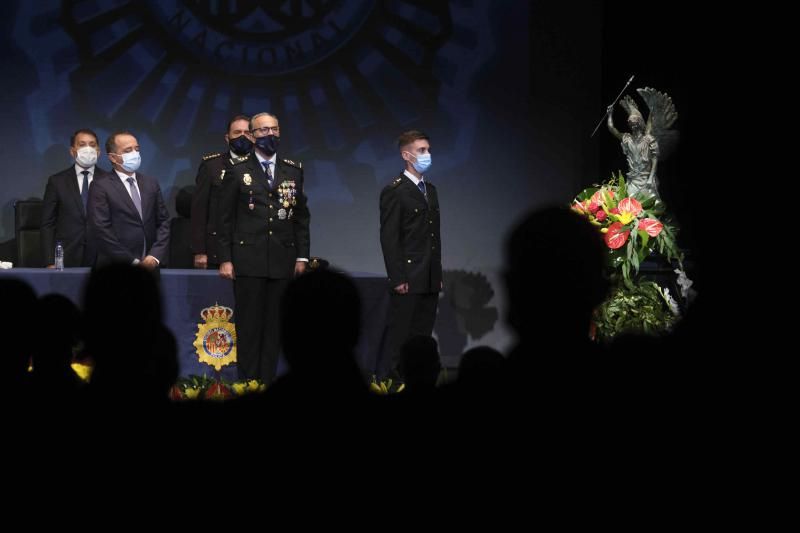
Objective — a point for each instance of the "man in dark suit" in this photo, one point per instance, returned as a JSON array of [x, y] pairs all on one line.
[[264, 242], [65, 199], [411, 244], [128, 220], [210, 175]]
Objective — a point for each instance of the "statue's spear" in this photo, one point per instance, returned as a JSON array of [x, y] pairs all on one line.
[[612, 104]]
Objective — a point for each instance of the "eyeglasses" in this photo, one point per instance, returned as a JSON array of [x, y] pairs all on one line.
[[266, 130]]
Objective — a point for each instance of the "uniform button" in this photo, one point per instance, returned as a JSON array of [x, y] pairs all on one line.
[[270, 195], [433, 235], [213, 233], [241, 242], [272, 207], [416, 210], [430, 222], [409, 260], [270, 220], [270, 232]]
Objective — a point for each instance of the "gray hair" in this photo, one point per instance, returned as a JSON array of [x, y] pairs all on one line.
[[253, 119]]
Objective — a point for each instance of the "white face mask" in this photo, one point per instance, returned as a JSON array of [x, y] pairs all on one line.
[[86, 156]]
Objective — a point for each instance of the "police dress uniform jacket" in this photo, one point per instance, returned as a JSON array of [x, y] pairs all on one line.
[[263, 230], [205, 204], [64, 219], [410, 235]]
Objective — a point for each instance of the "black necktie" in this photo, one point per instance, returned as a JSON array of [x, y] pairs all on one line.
[[421, 187], [85, 188]]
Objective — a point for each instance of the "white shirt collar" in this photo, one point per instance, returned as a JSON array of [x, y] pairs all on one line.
[[261, 158], [124, 177], [79, 169], [413, 177]]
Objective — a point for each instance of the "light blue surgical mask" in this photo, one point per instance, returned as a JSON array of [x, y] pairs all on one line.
[[422, 163], [131, 161]]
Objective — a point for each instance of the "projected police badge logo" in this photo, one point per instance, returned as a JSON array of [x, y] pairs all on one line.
[[215, 342], [261, 38], [344, 76]]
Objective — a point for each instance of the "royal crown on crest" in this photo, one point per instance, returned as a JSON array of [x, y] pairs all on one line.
[[217, 313]]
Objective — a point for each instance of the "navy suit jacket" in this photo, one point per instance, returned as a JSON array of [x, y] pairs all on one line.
[[64, 219], [116, 228]]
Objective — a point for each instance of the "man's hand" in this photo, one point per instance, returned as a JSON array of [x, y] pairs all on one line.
[[299, 267], [201, 261], [402, 288], [149, 262], [226, 270]]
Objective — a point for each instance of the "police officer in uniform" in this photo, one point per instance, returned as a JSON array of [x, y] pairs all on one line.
[[210, 175], [264, 242], [411, 244]]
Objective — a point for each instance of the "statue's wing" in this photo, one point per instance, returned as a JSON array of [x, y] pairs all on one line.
[[661, 116]]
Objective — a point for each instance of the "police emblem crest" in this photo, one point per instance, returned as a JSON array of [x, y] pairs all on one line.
[[247, 179], [215, 341]]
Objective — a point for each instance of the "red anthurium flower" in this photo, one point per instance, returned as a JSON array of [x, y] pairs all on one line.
[[615, 237], [652, 226], [601, 215], [630, 205], [578, 207]]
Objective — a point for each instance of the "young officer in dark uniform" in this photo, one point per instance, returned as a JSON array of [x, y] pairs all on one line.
[[411, 245], [264, 242], [210, 175]]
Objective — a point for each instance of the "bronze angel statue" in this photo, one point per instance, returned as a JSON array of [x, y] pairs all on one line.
[[646, 143]]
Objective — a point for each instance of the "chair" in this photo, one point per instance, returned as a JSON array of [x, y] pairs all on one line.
[[27, 223], [180, 231]]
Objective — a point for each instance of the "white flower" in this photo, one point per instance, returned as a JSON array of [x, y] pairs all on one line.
[[671, 303], [685, 284]]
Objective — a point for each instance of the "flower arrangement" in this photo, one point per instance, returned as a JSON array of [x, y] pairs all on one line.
[[205, 388], [632, 226], [644, 308], [385, 387]]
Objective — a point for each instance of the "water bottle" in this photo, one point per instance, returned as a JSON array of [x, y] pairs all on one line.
[[59, 256]]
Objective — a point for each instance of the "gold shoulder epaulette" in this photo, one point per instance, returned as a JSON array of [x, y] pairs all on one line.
[[397, 182], [211, 156], [290, 162]]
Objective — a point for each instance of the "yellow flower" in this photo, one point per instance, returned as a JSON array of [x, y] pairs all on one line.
[[625, 217], [192, 393], [253, 386], [240, 388], [84, 372]]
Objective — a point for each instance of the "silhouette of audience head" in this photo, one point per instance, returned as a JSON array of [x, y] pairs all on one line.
[[132, 351], [19, 298], [480, 366], [419, 362], [554, 275], [53, 348], [320, 323]]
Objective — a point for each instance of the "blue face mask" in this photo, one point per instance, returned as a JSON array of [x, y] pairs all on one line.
[[422, 163], [241, 145], [131, 161], [268, 144]]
